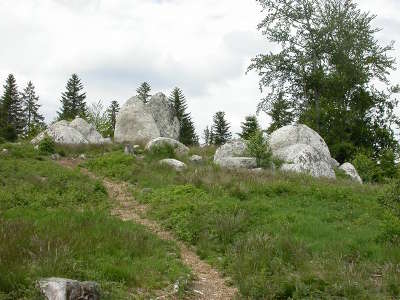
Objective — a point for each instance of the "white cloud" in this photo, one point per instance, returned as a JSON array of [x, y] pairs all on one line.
[[201, 46]]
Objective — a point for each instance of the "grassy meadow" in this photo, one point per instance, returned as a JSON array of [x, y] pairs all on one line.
[[55, 222], [276, 235]]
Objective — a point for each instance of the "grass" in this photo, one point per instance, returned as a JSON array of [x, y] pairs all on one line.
[[56, 222], [277, 235]]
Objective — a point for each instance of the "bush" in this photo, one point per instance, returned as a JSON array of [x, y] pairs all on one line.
[[2, 140], [161, 152], [258, 147], [388, 163], [367, 168], [47, 145], [9, 133]]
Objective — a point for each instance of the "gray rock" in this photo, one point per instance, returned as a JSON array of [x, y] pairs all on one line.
[[334, 163], [67, 289], [301, 158], [4, 151], [351, 171], [55, 156], [138, 122], [303, 150], [77, 132], [180, 148], [173, 163], [196, 158], [129, 150], [82, 156], [237, 162]]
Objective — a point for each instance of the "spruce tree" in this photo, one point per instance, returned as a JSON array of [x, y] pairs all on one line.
[[73, 100], [143, 92], [112, 112], [34, 121], [249, 127], [187, 133], [12, 110], [220, 129], [280, 114], [207, 136]]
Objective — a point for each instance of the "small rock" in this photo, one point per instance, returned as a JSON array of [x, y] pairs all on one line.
[[36, 147], [129, 150], [67, 289], [55, 156], [147, 190], [196, 158], [176, 164], [257, 170], [160, 141], [351, 171], [4, 151], [82, 156]]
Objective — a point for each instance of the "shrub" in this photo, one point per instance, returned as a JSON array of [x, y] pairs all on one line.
[[367, 168], [47, 145], [9, 133], [2, 140], [388, 163], [258, 147], [161, 152]]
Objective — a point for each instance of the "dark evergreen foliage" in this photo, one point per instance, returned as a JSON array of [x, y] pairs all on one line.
[[34, 121], [220, 129], [187, 132], [73, 100], [143, 91], [112, 112], [249, 127], [207, 135], [280, 114]]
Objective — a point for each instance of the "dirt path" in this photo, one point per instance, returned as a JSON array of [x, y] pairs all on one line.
[[208, 283]]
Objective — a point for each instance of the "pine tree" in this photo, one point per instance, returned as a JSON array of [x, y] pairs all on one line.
[[280, 114], [112, 112], [249, 127], [220, 129], [12, 110], [73, 100], [187, 133], [143, 92], [207, 136], [34, 121]]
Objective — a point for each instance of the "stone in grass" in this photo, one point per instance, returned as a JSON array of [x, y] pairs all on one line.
[[351, 171], [173, 163], [196, 158], [68, 289]]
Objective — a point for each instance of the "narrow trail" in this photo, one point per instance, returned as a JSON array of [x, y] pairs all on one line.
[[208, 282]]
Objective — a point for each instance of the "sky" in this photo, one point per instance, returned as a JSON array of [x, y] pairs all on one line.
[[204, 47]]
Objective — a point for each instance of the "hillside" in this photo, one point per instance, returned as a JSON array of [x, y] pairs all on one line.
[[273, 235]]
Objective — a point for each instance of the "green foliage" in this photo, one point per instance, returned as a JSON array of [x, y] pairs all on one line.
[[208, 136], [73, 100], [220, 129], [161, 151], [325, 73], [387, 164], [9, 133], [143, 92], [249, 127], [366, 168], [97, 116], [187, 133], [258, 147], [112, 112], [277, 235], [34, 121], [390, 200], [47, 145]]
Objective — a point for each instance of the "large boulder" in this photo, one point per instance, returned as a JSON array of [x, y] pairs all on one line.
[[67, 289], [351, 171], [233, 155], [173, 163], [160, 141], [77, 132], [303, 150], [138, 121]]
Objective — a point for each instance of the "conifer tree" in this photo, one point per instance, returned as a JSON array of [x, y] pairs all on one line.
[[249, 127], [187, 133], [73, 100], [280, 114], [143, 92], [112, 112], [220, 129], [12, 110], [207, 135], [34, 121]]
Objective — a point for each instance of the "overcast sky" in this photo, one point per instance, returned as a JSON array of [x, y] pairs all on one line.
[[202, 46]]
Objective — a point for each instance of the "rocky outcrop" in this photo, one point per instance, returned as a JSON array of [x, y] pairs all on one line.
[[180, 148], [77, 132], [233, 155], [351, 171], [67, 289], [173, 163], [137, 121], [303, 150]]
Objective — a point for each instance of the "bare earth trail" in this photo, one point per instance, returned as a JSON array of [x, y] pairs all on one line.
[[208, 282]]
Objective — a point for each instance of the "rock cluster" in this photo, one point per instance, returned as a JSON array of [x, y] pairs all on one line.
[[232, 155], [72, 133], [138, 121]]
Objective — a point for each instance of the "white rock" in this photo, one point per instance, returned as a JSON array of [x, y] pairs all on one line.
[[301, 158], [176, 164], [82, 156], [196, 158], [237, 162], [67, 289], [138, 122], [303, 150], [351, 171], [75, 133], [178, 146]]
